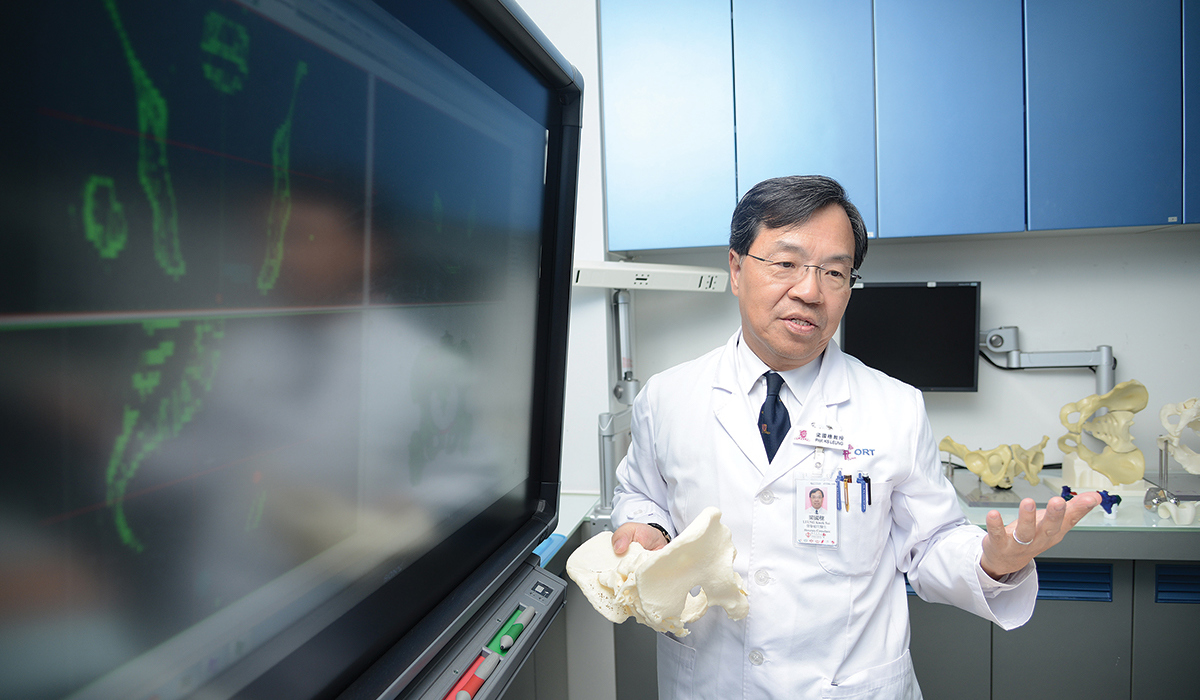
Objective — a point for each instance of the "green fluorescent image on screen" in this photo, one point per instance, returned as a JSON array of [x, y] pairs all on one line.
[[274, 283]]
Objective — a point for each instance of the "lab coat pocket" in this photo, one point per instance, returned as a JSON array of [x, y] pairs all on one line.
[[861, 534], [891, 681], [676, 668]]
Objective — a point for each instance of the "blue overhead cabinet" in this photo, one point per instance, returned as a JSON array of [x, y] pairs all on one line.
[[668, 122], [941, 117], [951, 117], [1105, 113], [805, 93]]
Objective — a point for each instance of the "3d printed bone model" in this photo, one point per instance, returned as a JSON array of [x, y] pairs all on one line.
[[1175, 418], [655, 587], [1182, 512], [1120, 461], [998, 466], [1186, 415]]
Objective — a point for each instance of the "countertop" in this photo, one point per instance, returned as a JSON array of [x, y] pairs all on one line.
[[1133, 532]]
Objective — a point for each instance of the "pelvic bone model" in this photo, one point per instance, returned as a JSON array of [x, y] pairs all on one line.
[[1186, 414], [998, 466], [655, 587], [1183, 512], [1120, 461]]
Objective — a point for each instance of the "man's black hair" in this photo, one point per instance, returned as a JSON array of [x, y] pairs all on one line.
[[789, 201]]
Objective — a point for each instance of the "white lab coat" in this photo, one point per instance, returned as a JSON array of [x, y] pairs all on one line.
[[823, 623]]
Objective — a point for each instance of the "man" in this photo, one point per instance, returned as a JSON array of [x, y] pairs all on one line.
[[817, 498], [753, 426]]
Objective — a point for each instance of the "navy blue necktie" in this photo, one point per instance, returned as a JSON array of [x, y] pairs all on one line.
[[773, 419]]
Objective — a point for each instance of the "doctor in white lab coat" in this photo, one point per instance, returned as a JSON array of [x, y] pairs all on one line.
[[828, 609]]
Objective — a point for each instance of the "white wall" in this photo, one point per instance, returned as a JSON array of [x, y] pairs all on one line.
[[1134, 291], [571, 26]]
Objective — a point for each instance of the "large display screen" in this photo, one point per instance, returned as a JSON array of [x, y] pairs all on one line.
[[269, 297]]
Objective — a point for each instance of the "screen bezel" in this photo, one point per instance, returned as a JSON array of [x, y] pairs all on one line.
[[404, 643]]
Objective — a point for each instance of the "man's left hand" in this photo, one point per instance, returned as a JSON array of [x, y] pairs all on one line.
[[1003, 551]]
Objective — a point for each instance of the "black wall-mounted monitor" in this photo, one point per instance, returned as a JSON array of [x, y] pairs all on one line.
[[283, 305], [923, 333]]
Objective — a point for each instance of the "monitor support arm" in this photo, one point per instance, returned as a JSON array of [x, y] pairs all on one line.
[[627, 387], [1003, 341], [613, 425]]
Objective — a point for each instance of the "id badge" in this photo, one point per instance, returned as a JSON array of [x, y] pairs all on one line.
[[816, 516]]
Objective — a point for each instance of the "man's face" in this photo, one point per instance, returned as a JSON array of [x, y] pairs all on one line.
[[817, 498], [788, 325]]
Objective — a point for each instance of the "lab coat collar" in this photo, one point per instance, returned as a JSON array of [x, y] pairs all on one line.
[[833, 382], [832, 387], [732, 408], [750, 368]]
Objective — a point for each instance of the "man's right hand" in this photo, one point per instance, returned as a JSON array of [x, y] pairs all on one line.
[[641, 533]]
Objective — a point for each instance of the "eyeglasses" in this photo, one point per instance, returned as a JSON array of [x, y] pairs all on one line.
[[832, 277]]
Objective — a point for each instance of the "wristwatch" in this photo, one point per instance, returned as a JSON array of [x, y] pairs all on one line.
[[661, 529]]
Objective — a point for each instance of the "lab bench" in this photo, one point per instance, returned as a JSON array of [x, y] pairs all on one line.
[[1117, 611]]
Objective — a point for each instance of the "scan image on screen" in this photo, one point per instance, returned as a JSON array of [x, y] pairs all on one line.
[[268, 297]]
